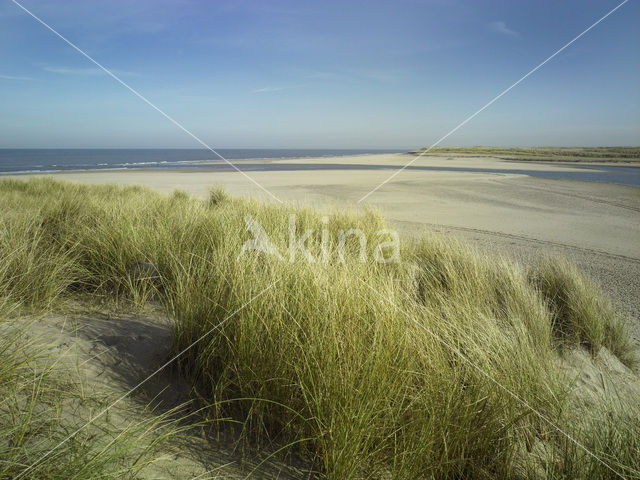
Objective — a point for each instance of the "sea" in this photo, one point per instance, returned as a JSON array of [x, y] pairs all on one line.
[[58, 160], [14, 161]]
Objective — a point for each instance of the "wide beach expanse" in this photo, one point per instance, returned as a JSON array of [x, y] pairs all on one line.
[[506, 207]]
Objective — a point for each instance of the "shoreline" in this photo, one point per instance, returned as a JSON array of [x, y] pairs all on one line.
[[405, 157]]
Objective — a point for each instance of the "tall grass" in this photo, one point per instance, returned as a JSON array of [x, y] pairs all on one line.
[[581, 314], [404, 370]]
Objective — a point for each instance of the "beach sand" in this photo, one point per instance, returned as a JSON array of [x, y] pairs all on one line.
[[595, 224]]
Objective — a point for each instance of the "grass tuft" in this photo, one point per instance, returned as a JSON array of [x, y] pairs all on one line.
[[217, 195], [581, 314]]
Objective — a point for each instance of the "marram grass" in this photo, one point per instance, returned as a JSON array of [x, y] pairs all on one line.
[[412, 369]]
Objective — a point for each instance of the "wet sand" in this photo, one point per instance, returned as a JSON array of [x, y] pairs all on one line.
[[595, 224]]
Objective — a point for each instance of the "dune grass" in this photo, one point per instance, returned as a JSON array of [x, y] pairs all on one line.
[[410, 369], [580, 313]]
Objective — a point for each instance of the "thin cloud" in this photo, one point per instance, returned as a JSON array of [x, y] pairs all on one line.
[[383, 76], [13, 77], [501, 28], [268, 89], [323, 75], [85, 71], [197, 98]]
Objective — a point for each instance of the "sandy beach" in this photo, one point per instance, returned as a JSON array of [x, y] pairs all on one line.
[[595, 224]]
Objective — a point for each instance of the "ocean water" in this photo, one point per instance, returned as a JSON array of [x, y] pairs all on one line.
[[56, 160]]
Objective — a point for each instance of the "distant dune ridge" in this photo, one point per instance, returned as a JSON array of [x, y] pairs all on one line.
[[565, 154], [445, 364]]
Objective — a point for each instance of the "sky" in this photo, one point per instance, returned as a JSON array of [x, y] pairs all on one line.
[[318, 74]]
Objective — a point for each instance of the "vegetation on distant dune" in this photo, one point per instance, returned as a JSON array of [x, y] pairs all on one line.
[[565, 154], [446, 364]]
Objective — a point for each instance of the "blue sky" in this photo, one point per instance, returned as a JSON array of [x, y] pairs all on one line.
[[319, 74]]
